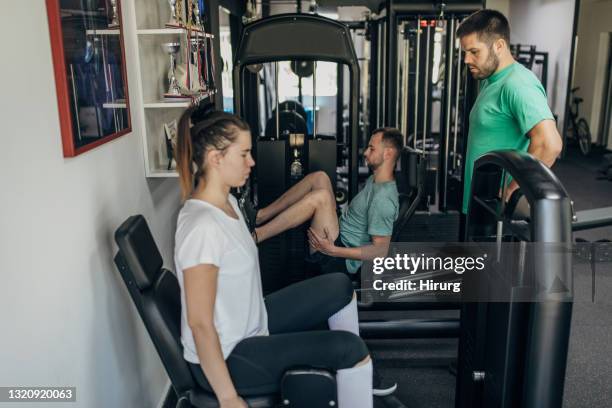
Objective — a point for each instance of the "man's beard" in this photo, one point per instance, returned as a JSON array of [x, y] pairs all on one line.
[[489, 67], [373, 166]]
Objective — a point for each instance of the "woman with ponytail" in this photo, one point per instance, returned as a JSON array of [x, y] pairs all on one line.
[[237, 342]]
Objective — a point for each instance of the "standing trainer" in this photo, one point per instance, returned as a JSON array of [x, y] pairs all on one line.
[[511, 110]]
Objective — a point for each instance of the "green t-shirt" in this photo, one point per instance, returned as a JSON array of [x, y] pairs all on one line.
[[510, 103], [372, 212]]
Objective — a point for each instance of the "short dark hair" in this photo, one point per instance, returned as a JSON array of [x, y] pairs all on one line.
[[488, 24], [391, 137]]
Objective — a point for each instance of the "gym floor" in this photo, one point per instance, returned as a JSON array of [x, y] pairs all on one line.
[[588, 369], [421, 366]]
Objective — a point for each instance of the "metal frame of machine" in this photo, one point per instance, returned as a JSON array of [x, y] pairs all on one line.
[[393, 104], [301, 37], [514, 354]]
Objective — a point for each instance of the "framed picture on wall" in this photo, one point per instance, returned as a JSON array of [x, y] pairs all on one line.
[[90, 76]]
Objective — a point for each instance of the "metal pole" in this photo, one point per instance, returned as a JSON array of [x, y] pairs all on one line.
[[449, 106], [365, 86], [456, 121], [277, 96], [417, 82], [501, 209], [426, 87], [405, 78], [378, 76], [397, 72], [384, 78], [314, 101], [340, 133], [391, 88], [353, 130]]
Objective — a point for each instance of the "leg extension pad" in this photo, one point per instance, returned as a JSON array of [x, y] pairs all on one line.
[[308, 388]]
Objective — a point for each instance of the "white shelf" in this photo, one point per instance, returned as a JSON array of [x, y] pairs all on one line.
[[109, 31], [164, 104], [177, 104], [145, 31], [167, 31]]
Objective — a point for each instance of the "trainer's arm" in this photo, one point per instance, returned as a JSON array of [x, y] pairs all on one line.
[[200, 294], [545, 145], [378, 248], [545, 142]]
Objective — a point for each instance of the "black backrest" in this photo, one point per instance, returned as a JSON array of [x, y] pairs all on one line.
[[410, 184], [156, 293]]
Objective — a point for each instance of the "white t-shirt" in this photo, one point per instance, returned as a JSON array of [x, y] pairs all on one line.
[[207, 235]]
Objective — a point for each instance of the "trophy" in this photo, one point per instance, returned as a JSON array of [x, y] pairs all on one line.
[[170, 131], [196, 11], [175, 18], [174, 91], [114, 15]]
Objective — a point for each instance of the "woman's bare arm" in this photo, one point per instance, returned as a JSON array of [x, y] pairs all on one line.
[[200, 293]]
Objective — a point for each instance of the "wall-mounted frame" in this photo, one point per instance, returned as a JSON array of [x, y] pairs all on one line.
[[90, 76]]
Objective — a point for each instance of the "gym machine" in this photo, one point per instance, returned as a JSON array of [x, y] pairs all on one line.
[[419, 84], [287, 151], [282, 38], [156, 295], [530, 57], [430, 101], [514, 354]]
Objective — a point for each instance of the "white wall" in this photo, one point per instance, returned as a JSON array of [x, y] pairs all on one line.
[[547, 24], [503, 6], [595, 18], [66, 316]]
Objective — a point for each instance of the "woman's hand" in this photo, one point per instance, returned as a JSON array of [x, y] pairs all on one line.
[[235, 402]]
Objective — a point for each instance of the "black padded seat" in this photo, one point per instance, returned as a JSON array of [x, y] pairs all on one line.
[[410, 185], [156, 294]]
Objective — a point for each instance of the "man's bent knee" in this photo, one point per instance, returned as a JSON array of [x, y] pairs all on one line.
[[319, 198], [320, 179]]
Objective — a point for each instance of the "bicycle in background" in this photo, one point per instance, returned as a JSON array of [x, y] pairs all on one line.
[[577, 127]]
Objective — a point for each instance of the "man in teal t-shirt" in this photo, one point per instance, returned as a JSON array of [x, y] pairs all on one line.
[[363, 230], [511, 110], [370, 214]]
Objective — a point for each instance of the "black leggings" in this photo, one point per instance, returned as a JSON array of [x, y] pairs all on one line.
[[299, 336]]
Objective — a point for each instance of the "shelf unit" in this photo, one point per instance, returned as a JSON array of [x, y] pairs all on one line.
[[146, 31], [175, 31]]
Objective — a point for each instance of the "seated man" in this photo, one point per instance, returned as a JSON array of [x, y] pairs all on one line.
[[365, 228]]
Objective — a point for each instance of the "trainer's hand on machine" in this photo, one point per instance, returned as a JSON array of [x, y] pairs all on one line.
[[512, 187], [321, 244], [235, 402]]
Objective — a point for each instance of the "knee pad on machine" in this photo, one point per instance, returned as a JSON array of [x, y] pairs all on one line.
[[308, 388]]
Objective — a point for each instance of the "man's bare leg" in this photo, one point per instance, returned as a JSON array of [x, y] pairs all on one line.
[[319, 206], [313, 181]]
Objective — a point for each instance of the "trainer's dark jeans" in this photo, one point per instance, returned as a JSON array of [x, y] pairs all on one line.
[[295, 315]]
